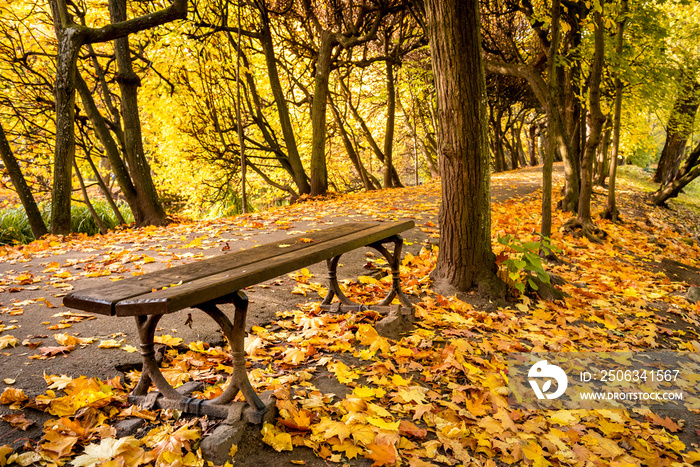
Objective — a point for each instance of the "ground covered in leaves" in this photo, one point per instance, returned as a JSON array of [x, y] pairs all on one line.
[[436, 396]]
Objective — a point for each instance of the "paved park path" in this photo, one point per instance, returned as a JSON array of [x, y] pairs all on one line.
[[34, 278]]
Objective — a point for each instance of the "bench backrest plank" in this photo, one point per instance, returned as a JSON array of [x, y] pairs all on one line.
[[216, 277]]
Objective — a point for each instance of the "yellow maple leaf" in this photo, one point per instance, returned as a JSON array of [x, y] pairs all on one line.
[[168, 340], [12, 395], [342, 372], [65, 339], [57, 382], [110, 344], [8, 341], [380, 423], [278, 440]]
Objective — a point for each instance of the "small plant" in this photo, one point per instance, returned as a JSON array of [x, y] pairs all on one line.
[[522, 261]]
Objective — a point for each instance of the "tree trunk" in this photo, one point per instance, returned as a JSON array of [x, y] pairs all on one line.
[[603, 160], [673, 189], [611, 208], [390, 117], [119, 170], [552, 91], [319, 172], [465, 259], [105, 191], [395, 180], [516, 132], [532, 145], [691, 161], [299, 175], [680, 127], [86, 198], [350, 149], [499, 156], [23, 191], [413, 127], [69, 43], [70, 38], [597, 121], [149, 209]]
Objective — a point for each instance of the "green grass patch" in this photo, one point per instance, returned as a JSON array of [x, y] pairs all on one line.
[[15, 228]]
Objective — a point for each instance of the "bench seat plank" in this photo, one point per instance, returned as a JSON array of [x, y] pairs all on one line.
[[217, 277]]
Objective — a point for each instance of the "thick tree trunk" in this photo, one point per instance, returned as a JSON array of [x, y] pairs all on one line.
[[680, 127], [299, 175], [149, 209], [23, 191], [465, 259], [319, 172], [70, 38]]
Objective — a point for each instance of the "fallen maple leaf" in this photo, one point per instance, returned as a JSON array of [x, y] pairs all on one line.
[[17, 420], [110, 344], [52, 351], [8, 341], [278, 440], [381, 454], [12, 395], [407, 428], [58, 445]]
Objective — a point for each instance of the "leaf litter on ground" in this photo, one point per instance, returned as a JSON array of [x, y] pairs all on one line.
[[437, 396]]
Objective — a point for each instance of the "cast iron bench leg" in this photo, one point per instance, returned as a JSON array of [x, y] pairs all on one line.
[[394, 260], [220, 406]]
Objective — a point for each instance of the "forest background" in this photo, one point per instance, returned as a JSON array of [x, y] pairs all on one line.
[[333, 96]]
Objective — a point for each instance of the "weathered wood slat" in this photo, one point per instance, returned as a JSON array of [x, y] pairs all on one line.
[[218, 285], [215, 277], [102, 299]]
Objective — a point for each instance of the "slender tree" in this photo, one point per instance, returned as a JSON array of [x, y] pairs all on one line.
[[611, 211], [71, 37], [23, 191]]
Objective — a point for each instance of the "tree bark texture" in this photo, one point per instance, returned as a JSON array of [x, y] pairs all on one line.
[[389, 133], [23, 191], [319, 171], [597, 120], [680, 127], [465, 259], [673, 189]]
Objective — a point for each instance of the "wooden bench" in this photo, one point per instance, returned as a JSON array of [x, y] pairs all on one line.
[[219, 280]]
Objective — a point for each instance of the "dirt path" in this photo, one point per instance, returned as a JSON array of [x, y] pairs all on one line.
[[34, 279]]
